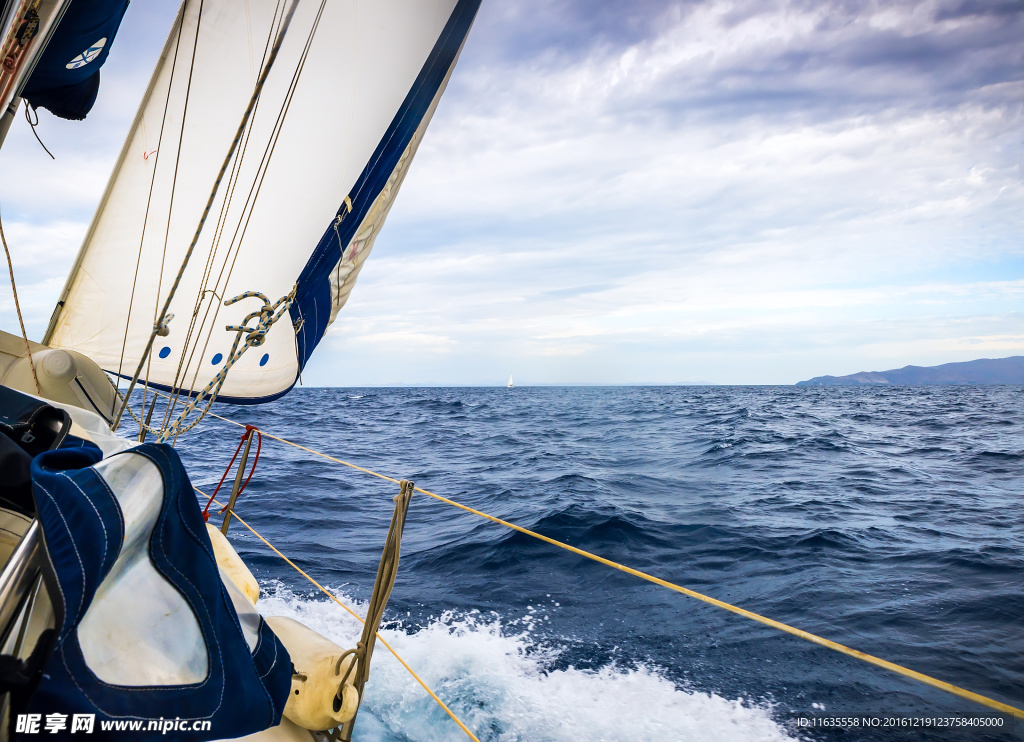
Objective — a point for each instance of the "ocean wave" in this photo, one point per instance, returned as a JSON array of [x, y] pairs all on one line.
[[887, 517], [498, 678]]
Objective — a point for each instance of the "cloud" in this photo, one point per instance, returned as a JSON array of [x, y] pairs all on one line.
[[651, 191], [737, 176]]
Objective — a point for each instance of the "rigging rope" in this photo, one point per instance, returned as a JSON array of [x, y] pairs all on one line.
[[17, 308], [209, 203], [179, 23], [236, 169], [955, 690], [28, 117], [355, 615], [241, 229], [255, 336], [162, 319], [387, 571], [249, 430]]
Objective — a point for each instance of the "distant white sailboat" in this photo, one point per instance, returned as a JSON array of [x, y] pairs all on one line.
[[510, 384]]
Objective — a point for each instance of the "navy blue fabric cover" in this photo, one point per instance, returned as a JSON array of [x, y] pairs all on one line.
[[312, 303], [71, 93], [83, 528]]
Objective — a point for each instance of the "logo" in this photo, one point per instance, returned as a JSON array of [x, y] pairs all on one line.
[[86, 723], [30, 723], [88, 55]]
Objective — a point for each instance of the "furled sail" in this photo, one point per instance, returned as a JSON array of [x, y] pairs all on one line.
[[52, 51], [67, 77], [316, 171]]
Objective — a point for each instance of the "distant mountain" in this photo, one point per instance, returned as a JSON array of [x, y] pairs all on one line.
[[983, 371]]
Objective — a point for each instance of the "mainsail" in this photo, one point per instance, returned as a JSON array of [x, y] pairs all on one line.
[[313, 178]]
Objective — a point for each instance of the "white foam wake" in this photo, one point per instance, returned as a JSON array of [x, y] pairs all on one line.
[[496, 680]]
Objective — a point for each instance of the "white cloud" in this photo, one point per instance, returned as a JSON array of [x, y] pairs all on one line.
[[822, 188]]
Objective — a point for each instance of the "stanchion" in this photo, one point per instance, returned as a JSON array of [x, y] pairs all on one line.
[[386, 573]]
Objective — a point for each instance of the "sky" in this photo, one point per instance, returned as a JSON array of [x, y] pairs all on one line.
[[629, 192]]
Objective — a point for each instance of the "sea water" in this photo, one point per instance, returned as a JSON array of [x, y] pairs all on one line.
[[889, 519]]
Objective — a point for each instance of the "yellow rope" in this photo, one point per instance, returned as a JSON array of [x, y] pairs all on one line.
[[841, 648], [17, 305], [355, 615]]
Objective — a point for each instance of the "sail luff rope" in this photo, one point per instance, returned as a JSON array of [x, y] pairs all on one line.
[[17, 308], [955, 690], [209, 204], [355, 615], [237, 238], [233, 179]]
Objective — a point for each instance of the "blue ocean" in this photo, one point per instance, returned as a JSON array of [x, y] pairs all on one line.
[[889, 519]]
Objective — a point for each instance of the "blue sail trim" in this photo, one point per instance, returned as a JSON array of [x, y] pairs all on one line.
[[311, 311], [83, 528], [220, 397], [66, 79]]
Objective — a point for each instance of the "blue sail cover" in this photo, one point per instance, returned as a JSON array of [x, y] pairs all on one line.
[[146, 627], [67, 78]]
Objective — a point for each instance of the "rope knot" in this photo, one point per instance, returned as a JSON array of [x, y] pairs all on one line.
[[161, 327]]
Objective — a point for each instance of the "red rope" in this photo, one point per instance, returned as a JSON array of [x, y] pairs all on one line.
[[249, 430], [256, 459]]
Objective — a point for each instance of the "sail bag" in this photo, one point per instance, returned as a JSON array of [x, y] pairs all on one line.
[[66, 79], [146, 627]]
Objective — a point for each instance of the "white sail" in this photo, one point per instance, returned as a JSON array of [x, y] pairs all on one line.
[[309, 188]]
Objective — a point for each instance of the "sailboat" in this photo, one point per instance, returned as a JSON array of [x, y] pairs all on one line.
[[264, 158], [510, 384], [266, 154]]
